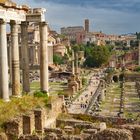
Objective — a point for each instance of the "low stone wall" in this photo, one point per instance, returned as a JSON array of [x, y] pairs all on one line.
[[135, 129], [113, 134], [108, 120], [55, 108], [132, 77], [74, 123]]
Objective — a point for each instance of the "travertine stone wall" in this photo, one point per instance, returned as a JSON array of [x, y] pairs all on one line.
[[14, 127], [40, 115], [28, 124]]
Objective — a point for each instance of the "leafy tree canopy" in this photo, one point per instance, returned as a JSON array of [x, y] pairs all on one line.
[[57, 59], [96, 56]]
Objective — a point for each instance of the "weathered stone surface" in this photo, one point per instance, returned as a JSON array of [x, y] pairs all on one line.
[[136, 133], [39, 120], [28, 124], [90, 131], [113, 134], [14, 127], [102, 126], [85, 136], [51, 136], [69, 130], [86, 125], [71, 137], [29, 137], [135, 129], [3, 136], [53, 130]]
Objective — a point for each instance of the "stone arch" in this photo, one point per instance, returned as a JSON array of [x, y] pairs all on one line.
[[115, 78]]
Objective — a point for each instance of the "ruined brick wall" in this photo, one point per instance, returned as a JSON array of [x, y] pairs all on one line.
[[55, 109]]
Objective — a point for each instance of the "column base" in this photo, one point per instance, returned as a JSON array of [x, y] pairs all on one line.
[[6, 100], [17, 96]]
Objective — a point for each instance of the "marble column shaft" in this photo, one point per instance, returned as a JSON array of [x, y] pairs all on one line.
[[4, 80], [44, 57], [15, 60], [76, 63], [73, 68], [25, 57]]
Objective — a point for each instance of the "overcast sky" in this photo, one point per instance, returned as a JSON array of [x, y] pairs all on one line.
[[109, 16]]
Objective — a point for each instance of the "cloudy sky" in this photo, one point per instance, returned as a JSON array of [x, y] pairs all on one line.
[[109, 16]]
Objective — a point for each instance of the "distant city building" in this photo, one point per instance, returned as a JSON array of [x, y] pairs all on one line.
[[89, 38], [86, 25], [72, 32]]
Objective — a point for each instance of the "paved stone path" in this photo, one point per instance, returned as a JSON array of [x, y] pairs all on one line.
[[80, 105]]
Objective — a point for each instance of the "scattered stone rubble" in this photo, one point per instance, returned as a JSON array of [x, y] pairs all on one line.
[[71, 129], [34, 76]]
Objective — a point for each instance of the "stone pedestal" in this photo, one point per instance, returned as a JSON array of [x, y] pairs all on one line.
[[15, 60], [25, 56], [4, 84], [44, 57]]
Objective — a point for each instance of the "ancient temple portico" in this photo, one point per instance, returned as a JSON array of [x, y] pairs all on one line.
[[12, 17], [18, 17]]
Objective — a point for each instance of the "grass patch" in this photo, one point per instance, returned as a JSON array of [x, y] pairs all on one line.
[[35, 86], [18, 106]]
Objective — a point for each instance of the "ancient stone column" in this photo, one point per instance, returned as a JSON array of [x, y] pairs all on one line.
[[44, 57], [76, 63], [4, 85], [10, 63], [73, 68], [36, 55], [25, 57], [15, 60]]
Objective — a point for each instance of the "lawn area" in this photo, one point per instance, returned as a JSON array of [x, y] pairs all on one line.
[[34, 86], [132, 101], [112, 101]]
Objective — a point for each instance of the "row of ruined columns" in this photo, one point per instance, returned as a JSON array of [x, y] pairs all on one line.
[[15, 65]]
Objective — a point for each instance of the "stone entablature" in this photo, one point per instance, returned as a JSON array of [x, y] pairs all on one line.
[[36, 15], [12, 14], [11, 11]]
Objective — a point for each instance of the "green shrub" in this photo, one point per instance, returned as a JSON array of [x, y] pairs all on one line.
[[44, 95], [137, 69], [40, 94]]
